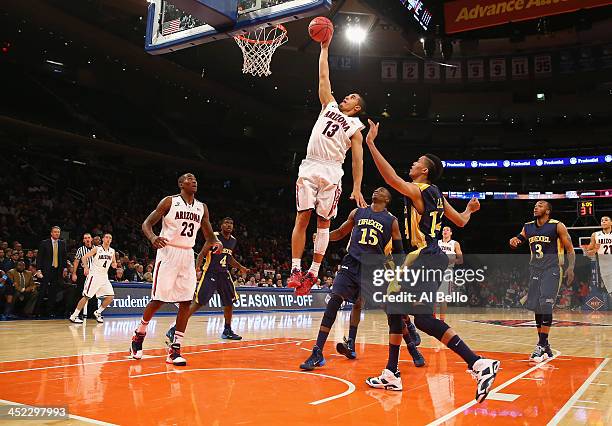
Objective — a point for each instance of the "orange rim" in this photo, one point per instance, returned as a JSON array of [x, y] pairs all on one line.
[[249, 40]]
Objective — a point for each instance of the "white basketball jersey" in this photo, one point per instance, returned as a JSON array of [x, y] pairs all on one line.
[[331, 134], [102, 260], [604, 253], [181, 224], [448, 248]]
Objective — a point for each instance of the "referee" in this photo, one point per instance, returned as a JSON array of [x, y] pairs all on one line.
[[78, 275]]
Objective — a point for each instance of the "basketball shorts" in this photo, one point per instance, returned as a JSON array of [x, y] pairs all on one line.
[[318, 186], [447, 285], [97, 285], [429, 269], [174, 275], [221, 282], [347, 282], [607, 281], [543, 289]]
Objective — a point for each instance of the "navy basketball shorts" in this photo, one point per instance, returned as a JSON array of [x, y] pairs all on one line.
[[429, 270], [543, 289], [221, 282], [347, 282]]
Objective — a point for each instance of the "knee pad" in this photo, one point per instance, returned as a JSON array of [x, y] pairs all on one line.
[[321, 241], [430, 325], [546, 320], [333, 306], [396, 323]]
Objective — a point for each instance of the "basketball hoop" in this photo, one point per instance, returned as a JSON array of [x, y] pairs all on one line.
[[258, 46]]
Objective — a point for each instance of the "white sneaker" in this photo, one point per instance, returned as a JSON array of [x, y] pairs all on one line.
[[174, 355], [98, 316], [538, 355], [387, 380], [76, 319], [484, 371]]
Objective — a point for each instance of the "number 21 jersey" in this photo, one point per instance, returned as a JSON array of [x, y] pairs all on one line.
[[181, 224]]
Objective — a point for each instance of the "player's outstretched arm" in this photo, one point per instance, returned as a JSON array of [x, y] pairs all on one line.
[[519, 239], [357, 159], [388, 173], [461, 219], [209, 234], [147, 226], [566, 240], [114, 261], [89, 254], [344, 229], [325, 90]]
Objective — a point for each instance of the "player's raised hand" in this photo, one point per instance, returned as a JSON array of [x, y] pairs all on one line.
[[474, 205], [358, 197], [372, 132], [569, 276], [159, 242], [515, 242], [325, 44]]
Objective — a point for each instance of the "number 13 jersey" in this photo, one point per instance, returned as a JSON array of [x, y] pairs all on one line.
[[331, 134], [181, 224]]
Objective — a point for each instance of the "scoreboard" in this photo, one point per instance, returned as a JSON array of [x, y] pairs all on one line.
[[586, 208]]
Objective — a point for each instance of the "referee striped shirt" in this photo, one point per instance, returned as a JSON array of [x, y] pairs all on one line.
[[82, 251]]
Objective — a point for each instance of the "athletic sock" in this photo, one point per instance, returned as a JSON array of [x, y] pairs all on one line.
[[353, 332], [394, 351], [178, 337], [296, 264], [322, 338], [407, 337], [142, 328], [457, 345], [314, 269], [227, 326]]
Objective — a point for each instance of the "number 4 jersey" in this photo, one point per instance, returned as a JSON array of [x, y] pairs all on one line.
[[102, 261], [181, 224]]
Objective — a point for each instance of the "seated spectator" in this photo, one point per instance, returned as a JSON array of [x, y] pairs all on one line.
[[279, 283], [130, 271], [139, 275], [148, 275], [26, 290], [119, 277], [6, 296], [5, 262]]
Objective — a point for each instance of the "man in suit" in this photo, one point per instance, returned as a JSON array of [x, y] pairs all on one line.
[[26, 290], [51, 261]]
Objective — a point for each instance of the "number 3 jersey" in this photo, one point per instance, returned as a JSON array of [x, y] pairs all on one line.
[[181, 224], [101, 261], [544, 244], [331, 134]]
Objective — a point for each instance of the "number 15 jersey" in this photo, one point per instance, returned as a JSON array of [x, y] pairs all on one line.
[[182, 222], [331, 134]]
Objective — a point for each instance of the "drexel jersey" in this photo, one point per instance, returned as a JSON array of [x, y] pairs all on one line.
[[423, 230], [371, 233], [182, 222], [331, 135], [544, 244], [102, 260], [219, 262]]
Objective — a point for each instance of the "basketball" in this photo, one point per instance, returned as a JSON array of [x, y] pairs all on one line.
[[320, 29]]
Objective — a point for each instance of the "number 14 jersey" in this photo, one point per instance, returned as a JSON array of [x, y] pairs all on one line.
[[181, 224]]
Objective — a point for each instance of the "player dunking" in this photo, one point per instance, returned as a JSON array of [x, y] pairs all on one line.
[[601, 246], [216, 277], [97, 283], [426, 210], [318, 186], [174, 274], [548, 241], [452, 249]]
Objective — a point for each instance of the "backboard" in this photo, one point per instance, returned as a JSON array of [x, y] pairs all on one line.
[[170, 28]]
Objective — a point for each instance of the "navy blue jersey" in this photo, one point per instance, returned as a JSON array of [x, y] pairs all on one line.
[[423, 230], [219, 262], [544, 244], [371, 233]]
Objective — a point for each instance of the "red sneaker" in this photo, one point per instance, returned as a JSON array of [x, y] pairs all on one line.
[[295, 279], [307, 282]]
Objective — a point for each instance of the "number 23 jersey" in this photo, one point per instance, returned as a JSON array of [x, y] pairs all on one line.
[[181, 224]]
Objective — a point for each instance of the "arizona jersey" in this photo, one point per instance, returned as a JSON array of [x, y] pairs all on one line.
[[101, 261], [447, 247], [182, 222], [218, 262], [604, 253], [331, 134], [423, 230], [544, 244], [371, 233]]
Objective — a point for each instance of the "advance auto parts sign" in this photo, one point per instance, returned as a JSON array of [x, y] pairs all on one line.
[[132, 299], [463, 15]]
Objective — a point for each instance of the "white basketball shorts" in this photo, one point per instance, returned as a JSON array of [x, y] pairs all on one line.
[[318, 186], [174, 275], [97, 285]]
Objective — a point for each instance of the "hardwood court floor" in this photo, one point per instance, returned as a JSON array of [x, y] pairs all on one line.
[[257, 381]]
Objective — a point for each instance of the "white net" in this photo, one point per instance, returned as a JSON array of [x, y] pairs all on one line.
[[258, 46]]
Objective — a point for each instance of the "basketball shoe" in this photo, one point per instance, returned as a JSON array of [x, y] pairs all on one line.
[[228, 334], [314, 360], [347, 348], [417, 357], [387, 380], [295, 279], [136, 346], [484, 372], [174, 355], [307, 282]]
